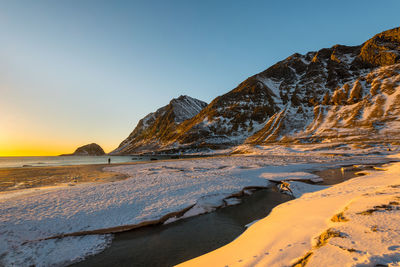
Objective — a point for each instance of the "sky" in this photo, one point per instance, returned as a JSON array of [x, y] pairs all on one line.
[[76, 72]]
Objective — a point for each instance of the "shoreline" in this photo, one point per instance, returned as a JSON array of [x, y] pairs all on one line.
[[71, 175], [98, 160], [13, 179], [17, 179]]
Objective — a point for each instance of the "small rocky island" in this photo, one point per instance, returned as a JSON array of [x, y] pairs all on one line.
[[92, 149]]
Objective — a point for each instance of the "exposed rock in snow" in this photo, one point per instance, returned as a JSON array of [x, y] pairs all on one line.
[[291, 176], [372, 110]]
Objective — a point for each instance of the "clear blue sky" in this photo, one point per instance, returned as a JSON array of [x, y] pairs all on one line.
[[74, 72]]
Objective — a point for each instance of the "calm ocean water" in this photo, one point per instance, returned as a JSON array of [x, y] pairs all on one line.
[[63, 160]]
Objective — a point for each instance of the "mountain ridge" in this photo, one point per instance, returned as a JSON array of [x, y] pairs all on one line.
[[297, 100]]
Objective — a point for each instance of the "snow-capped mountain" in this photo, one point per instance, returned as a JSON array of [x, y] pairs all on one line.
[[306, 97], [156, 128], [345, 93], [342, 92]]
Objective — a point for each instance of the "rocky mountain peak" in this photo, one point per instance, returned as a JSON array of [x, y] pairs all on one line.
[[383, 49], [158, 126], [186, 107]]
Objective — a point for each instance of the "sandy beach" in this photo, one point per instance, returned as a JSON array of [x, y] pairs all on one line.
[[30, 177]]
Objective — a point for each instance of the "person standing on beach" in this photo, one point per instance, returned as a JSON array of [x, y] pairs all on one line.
[[109, 160]]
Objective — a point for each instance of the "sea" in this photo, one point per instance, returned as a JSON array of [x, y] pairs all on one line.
[[12, 162], [64, 160]]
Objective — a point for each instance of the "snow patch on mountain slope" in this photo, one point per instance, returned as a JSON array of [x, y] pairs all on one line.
[[186, 107], [271, 84]]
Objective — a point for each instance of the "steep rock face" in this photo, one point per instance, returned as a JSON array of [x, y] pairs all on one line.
[[156, 128], [366, 108], [89, 150], [383, 49]]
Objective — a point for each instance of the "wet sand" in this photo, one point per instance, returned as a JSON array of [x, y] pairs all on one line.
[[30, 177]]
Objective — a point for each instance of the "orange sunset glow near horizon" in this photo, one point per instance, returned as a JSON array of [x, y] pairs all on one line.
[[17, 143], [79, 72], [41, 148]]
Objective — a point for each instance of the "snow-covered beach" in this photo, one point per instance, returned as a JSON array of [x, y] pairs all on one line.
[[354, 223], [153, 191]]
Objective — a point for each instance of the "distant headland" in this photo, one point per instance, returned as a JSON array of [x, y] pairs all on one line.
[[92, 149]]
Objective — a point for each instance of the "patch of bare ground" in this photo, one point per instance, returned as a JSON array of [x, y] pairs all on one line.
[[393, 205], [339, 217], [303, 261], [322, 239]]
